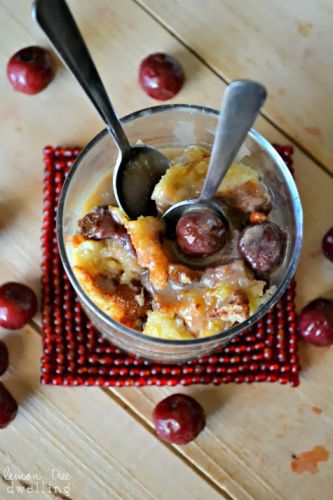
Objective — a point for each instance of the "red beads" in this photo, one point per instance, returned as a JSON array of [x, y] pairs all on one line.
[[74, 353]]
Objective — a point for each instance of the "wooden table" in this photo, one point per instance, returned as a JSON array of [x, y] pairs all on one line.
[[103, 439]]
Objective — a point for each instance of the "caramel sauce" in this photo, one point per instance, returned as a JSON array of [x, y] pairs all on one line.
[[102, 194]]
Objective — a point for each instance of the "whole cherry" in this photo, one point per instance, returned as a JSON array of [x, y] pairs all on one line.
[[200, 233], [161, 76], [327, 244], [8, 407], [18, 304], [315, 323], [4, 358], [30, 70], [178, 419]]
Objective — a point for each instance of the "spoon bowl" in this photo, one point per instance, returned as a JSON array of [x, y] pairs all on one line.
[[174, 213], [135, 176]]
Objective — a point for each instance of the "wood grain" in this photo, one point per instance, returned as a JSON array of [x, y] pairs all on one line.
[[253, 431], [86, 434], [285, 45]]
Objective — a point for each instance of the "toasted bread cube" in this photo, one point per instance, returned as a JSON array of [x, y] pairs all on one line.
[[89, 255], [241, 187], [164, 326], [124, 303], [145, 233]]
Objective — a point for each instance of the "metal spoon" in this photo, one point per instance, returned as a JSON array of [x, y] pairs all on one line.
[[138, 168], [241, 103]]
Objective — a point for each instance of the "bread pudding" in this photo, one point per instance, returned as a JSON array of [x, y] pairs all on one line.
[[130, 268]]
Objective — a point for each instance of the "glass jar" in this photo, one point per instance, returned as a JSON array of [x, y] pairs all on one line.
[[176, 126]]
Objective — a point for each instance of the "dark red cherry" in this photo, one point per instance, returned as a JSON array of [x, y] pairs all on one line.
[[30, 70], [161, 76], [178, 419], [200, 233], [327, 244], [18, 304], [8, 407], [315, 323], [4, 358], [98, 224]]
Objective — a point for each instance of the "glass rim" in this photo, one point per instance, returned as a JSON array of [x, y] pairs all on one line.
[[226, 334]]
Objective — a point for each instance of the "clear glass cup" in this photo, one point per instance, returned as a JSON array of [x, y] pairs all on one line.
[[176, 126]]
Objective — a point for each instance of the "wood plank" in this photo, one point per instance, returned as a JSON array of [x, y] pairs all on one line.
[[230, 450], [253, 432], [24, 136], [285, 45], [87, 435]]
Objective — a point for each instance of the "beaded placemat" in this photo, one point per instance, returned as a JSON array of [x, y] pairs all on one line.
[[74, 353]]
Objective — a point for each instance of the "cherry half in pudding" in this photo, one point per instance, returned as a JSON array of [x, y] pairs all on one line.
[[161, 76], [101, 225], [30, 70], [262, 246], [178, 419]]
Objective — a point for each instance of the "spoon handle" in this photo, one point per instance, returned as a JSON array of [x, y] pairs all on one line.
[[57, 22], [241, 103]]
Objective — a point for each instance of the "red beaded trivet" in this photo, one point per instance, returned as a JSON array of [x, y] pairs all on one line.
[[74, 353]]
